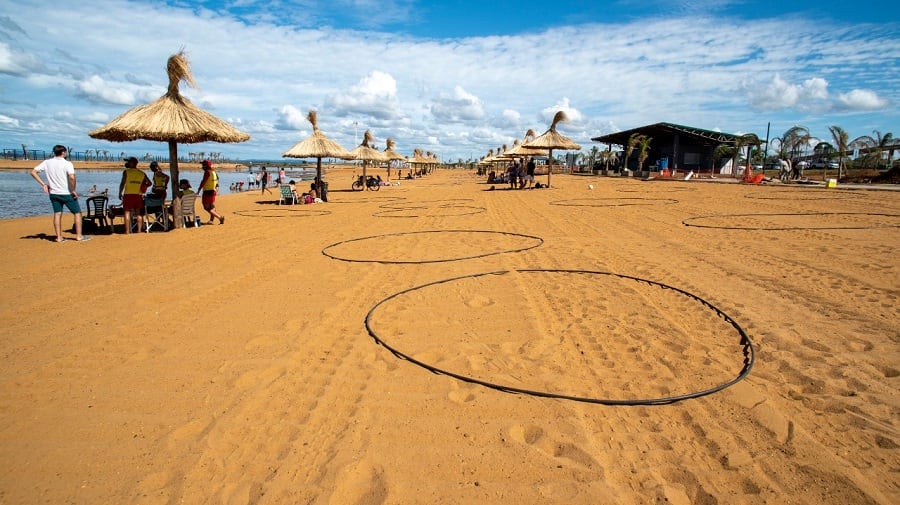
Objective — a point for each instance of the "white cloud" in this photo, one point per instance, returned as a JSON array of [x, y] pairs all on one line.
[[457, 106], [574, 115], [374, 95], [16, 63], [8, 122], [96, 89], [291, 118], [811, 94], [862, 99]]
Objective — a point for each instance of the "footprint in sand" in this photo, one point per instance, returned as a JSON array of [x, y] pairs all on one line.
[[479, 301], [360, 482]]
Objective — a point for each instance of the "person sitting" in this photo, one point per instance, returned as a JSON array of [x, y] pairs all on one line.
[[184, 188]]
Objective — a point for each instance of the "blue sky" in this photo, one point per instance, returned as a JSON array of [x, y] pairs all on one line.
[[456, 78]]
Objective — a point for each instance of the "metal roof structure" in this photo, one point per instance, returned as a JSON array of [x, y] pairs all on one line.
[[672, 146], [666, 130]]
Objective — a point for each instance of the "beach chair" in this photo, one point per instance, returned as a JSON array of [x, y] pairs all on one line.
[[287, 195], [97, 213], [188, 210], [155, 215]]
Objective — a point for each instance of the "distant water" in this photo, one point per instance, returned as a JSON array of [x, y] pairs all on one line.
[[20, 196]]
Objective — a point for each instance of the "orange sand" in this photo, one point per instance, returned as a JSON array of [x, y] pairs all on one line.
[[232, 363]]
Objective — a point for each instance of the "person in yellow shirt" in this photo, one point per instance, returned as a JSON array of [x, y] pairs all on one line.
[[210, 187], [131, 192], [160, 181], [184, 187]]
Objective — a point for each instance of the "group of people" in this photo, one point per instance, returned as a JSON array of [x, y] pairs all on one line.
[[517, 175], [788, 171], [311, 196], [61, 184], [135, 183]]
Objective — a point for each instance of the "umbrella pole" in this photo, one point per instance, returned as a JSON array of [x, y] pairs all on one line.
[[549, 165], [319, 178], [174, 178]]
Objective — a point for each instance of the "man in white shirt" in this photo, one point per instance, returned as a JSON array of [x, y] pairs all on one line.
[[60, 186]]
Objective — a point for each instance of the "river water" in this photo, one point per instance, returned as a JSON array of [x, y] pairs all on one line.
[[20, 196]]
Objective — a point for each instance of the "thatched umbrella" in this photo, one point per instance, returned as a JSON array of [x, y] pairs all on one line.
[[419, 158], [551, 140], [173, 119], [364, 152], [317, 146], [390, 154], [521, 150]]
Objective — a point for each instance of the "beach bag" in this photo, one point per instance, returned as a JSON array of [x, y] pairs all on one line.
[[89, 227]]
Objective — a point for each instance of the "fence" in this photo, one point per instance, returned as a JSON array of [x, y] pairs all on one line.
[[86, 155]]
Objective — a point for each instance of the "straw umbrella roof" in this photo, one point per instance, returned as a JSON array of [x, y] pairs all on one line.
[[317, 146], [172, 119], [551, 139], [365, 152], [419, 157], [520, 150], [389, 152]]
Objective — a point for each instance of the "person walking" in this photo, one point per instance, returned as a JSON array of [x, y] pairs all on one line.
[[131, 191], [210, 187], [264, 181], [529, 171], [60, 186]]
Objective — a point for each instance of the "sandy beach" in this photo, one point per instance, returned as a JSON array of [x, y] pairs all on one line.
[[287, 355]]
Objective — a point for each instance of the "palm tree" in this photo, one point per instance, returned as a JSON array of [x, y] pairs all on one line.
[[633, 141], [722, 151], [841, 143], [873, 146], [643, 148], [593, 156], [794, 139], [606, 156]]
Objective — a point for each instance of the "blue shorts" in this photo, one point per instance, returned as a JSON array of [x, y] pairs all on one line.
[[69, 201]]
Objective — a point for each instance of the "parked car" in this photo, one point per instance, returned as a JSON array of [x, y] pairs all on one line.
[[823, 164]]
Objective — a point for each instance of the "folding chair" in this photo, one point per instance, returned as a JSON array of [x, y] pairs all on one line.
[[287, 195], [155, 215]]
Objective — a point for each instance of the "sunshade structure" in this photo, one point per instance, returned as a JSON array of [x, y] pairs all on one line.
[[551, 139], [317, 146], [366, 153], [521, 150], [422, 159], [173, 119], [391, 155]]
